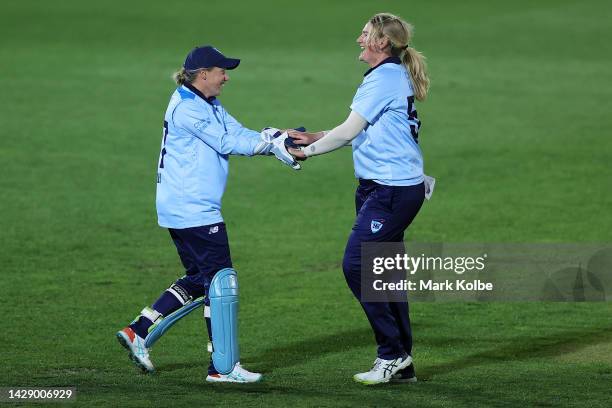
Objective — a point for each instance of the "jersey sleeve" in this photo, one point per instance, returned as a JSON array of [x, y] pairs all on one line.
[[247, 139], [223, 138], [373, 96]]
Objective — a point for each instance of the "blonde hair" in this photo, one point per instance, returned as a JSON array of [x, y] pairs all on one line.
[[399, 34], [182, 75]]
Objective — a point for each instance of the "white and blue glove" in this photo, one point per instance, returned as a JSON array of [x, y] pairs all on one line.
[[273, 142]]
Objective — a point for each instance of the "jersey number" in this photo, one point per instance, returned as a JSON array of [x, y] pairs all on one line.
[[415, 123], [163, 150]]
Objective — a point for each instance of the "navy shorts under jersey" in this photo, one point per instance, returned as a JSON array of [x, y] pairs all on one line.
[[203, 251]]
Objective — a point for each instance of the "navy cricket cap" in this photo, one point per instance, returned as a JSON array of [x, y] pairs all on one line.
[[208, 57]]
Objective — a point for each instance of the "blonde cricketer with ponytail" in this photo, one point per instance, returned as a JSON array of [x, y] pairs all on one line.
[[383, 129]]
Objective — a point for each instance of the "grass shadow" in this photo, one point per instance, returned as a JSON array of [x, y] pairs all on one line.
[[524, 348], [183, 366], [296, 353]]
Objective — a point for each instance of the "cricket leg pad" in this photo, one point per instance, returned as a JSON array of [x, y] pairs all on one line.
[[159, 328], [223, 296]]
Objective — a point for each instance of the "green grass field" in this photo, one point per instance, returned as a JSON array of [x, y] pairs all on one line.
[[516, 129]]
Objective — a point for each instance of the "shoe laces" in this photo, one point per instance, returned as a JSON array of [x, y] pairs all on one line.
[[377, 364], [240, 371]]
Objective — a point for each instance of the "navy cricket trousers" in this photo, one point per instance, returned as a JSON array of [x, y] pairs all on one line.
[[383, 214], [203, 251]]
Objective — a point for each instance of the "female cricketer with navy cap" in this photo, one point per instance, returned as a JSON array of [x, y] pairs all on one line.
[[383, 129], [198, 137]]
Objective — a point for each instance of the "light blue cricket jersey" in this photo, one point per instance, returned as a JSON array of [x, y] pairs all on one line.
[[199, 135], [387, 150]]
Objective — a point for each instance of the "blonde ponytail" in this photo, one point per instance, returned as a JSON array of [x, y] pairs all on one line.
[[183, 76], [399, 33], [415, 64]]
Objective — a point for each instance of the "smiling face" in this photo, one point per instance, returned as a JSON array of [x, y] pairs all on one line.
[[373, 51], [213, 80], [366, 51]]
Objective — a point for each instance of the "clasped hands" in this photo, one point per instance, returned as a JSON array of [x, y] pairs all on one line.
[[300, 139], [285, 144]]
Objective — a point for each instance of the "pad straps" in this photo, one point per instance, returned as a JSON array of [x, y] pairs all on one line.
[[153, 315], [179, 293]]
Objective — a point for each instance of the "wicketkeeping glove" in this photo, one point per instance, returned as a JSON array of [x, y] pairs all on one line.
[[276, 140]]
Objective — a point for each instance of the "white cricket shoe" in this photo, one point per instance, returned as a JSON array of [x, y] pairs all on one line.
[[135, 344], [238, 375], [383, 370]]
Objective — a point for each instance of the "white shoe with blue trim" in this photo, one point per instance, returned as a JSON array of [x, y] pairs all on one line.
[[238, 375], [135, 344], [383, 370]]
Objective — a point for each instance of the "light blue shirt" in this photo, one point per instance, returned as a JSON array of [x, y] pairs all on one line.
[[387, 150], [199, 135]]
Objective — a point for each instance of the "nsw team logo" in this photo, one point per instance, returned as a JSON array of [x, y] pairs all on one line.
[[376, 225], [213, 230]]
